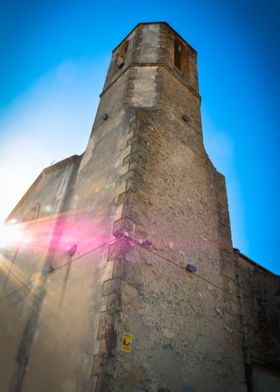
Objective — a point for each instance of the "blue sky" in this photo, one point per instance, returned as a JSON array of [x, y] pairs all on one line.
[[54, 57]]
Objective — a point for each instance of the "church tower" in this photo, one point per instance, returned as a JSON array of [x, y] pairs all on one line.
[[172, 287], [125, 276]]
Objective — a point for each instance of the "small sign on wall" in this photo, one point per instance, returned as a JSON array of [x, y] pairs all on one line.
[[126, 342]]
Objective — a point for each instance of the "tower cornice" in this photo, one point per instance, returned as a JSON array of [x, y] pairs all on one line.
[[139, 65]]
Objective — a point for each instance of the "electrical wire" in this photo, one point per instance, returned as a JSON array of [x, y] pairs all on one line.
[[28, 283], [194, 274], [170, 261]]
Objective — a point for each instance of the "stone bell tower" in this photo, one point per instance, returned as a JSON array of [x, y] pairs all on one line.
[[172, 290], [125, 277]]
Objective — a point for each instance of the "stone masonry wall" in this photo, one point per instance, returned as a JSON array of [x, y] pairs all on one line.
[[170, 200]]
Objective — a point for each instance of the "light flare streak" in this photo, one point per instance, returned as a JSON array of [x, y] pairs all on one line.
[[10, 235]]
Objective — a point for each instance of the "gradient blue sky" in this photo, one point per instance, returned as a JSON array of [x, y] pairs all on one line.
[[54, 57]]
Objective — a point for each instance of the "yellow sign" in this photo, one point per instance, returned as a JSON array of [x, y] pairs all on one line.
[[126, 342]]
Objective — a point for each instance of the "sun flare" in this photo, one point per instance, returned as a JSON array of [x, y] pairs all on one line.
[[10, 234]]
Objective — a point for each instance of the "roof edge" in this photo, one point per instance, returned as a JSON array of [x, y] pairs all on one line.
[[250, 261], [59, 165], [148, 23]]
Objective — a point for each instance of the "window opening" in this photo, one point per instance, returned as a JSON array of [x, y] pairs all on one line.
[[32, 214], [181, 57], [121, 54], [178, 55]]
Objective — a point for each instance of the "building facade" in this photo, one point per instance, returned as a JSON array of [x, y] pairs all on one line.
[[123, 277]]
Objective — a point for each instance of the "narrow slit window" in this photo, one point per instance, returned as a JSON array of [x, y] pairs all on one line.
[[30, 217], [178, 54], [121, 54], [32, 214], [181, 57]]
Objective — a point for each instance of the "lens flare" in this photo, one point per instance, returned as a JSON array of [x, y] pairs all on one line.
[[48, 208], [10, 234]]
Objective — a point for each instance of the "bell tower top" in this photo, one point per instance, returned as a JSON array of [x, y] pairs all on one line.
[[154, 44], [153, 68]]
